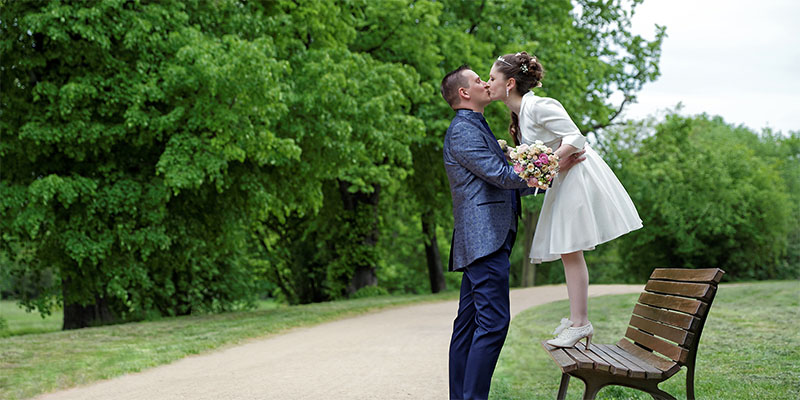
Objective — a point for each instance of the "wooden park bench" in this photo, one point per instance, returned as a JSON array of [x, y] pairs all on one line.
[[663, 336]]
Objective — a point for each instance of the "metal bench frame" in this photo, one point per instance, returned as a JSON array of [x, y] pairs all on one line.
[[663, 336]]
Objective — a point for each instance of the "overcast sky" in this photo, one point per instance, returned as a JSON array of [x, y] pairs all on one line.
[[737, 59]]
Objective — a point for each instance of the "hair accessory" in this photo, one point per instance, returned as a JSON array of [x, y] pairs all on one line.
[[523, 68], [504, 61]]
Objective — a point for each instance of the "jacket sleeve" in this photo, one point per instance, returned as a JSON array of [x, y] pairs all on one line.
[[470, 149]]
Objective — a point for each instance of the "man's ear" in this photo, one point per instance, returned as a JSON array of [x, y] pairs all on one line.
[[463, 93]]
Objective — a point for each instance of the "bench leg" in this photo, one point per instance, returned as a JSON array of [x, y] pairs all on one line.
[[593, 385], [659, 394], [690, 376], [562, 389], [652, 389], [595, 381]]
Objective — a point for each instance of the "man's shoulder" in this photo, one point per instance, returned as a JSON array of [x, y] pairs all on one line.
[[460, 124]]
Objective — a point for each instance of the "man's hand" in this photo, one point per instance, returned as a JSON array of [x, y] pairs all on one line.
[[570, 161]]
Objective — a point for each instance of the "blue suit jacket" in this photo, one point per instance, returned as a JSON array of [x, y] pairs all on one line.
[[484, 188]]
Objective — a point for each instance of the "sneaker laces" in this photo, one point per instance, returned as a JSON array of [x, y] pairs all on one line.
[[565, 323]]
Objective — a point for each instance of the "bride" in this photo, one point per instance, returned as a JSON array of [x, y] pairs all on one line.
[[584, 206]]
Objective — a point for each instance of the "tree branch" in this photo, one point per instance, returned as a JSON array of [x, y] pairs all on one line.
[[385, 39], [610, 120], [475, 23]]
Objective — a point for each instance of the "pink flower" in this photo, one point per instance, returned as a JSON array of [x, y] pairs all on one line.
[[517, 168], [543, 158]]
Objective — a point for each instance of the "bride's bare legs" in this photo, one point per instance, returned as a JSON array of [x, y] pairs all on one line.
[[577, 287]]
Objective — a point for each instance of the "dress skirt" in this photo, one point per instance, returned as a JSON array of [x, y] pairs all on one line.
[[584, 207]]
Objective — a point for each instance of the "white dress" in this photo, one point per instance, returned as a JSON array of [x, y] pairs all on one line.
[[585, 206]]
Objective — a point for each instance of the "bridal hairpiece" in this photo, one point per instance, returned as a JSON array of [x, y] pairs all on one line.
[[504, 61]]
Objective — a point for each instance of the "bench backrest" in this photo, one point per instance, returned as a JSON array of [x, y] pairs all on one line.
[[671, 312]]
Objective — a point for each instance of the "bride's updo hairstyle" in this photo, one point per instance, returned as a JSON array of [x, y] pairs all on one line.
[[528, 73]]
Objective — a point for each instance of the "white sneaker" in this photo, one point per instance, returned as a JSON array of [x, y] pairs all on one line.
[[569, 336]]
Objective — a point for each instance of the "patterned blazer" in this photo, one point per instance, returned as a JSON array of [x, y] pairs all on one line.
[[484, 188]]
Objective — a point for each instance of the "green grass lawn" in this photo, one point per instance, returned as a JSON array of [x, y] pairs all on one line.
[[750, 347], [21, 322], [31, 364]]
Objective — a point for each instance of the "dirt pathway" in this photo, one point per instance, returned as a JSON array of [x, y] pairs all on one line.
[[399, 353]]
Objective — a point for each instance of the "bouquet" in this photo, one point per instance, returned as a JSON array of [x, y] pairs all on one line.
[[536, 163]]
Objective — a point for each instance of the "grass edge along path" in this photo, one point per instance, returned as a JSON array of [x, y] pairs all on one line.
[[748, 349], [40, 363]]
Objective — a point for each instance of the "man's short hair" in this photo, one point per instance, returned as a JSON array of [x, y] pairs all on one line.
[[451, 83]]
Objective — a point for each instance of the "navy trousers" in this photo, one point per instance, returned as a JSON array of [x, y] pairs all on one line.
[[481, 325]]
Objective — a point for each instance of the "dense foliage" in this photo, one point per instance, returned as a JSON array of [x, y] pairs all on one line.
[[138, 142], [713, 195], [172, 157], [710, 195]]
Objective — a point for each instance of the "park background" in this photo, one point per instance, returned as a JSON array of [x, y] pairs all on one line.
[[178, 158]]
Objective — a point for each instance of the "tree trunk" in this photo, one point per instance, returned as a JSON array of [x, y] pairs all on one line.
[[529, 268], [434, 260], [357, 205], [78, 316]]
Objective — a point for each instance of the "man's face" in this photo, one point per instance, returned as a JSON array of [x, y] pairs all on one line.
[[478, 90]]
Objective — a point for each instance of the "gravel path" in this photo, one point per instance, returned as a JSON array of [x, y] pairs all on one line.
[[400, 353]]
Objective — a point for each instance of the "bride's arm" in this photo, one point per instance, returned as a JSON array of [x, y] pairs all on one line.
[[551, 115]]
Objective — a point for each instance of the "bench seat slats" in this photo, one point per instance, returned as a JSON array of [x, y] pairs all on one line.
[[679, 320], [709, 275], [679, 336], [629, 369], [615, 367], [650, 371], [564, 361], [670, 350], [669, 367], [599, 362], [582, 360], [687, 289], [689, 306]]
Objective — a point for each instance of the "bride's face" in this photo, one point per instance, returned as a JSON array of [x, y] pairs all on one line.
[[497, 84]]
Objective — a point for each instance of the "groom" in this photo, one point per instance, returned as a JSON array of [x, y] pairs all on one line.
[[486, 205]]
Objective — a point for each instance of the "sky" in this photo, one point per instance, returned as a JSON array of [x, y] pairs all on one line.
[[736, 59]]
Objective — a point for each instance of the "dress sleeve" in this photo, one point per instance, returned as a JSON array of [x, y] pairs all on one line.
[[552, 116]]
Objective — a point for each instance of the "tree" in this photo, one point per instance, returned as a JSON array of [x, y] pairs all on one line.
[[711, 195], [349, 112], [589, 54], [136, 147]]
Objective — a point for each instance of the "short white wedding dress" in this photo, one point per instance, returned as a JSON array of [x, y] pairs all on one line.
[[583, 207]]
